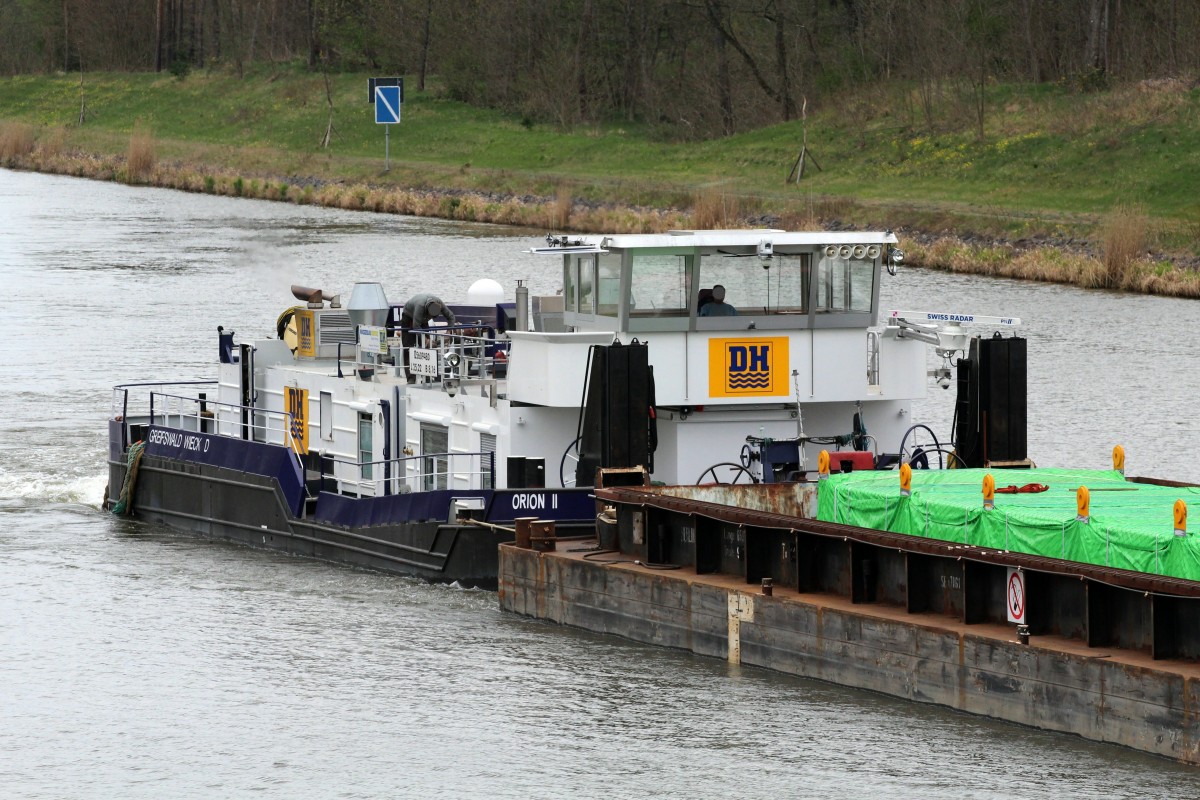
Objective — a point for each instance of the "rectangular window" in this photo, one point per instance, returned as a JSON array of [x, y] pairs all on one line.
[[435, 462], [862, 285], [587, 284], [366, 446], [487, 459], [660, 285], [608, 281], [845, 284], [570, 281], [326, 416], [755, 286]]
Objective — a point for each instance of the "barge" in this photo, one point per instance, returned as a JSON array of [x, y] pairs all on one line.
[[1072, 606]]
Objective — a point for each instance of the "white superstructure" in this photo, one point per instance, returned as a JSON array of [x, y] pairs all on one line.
[[797, 351]]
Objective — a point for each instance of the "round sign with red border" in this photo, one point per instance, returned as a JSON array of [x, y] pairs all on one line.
[[1016, 596]]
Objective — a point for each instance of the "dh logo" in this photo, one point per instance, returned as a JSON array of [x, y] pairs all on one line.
[[749, 367], [296, 401]]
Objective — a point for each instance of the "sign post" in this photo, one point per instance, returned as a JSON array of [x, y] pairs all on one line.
[[387, 94]]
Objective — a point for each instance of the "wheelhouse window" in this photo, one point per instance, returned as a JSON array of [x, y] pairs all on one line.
[[845, 284], [660, 285], [754, 286], [579, 284], [608, 284]]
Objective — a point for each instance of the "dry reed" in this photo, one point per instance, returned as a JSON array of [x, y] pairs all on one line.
[[16, 140], [564, 204], [140, 164], [712, 209], [52, 143], [1124, 238]]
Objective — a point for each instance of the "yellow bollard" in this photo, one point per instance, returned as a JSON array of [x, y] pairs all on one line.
[[1119, 459], [989, 491], [823, 465], [905, 480], [1180, 518], [1083, 502]]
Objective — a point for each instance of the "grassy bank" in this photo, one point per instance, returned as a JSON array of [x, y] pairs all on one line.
[[1094, 189]]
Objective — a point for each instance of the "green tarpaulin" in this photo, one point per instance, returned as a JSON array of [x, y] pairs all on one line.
[[1131, 525]]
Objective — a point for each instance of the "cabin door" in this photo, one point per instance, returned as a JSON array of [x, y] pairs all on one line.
[[435, 463]]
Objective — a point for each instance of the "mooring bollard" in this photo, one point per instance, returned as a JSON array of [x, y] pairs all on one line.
[[541, 535], [523, 533]]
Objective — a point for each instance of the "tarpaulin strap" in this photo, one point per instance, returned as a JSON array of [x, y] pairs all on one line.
[[1029, 488]]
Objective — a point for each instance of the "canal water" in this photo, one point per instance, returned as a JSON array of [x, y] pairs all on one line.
[[137, 662]]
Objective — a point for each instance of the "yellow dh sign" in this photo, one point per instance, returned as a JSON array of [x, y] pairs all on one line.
[[296, 401], [752, 367], [306, 341]]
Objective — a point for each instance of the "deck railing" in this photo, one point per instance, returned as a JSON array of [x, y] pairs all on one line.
[[199, 414], [476, 351], [425, 472]]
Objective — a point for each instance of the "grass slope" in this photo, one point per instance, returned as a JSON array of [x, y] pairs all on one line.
[[1050, 160]]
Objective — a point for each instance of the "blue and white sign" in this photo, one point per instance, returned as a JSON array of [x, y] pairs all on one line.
[[387, 105]]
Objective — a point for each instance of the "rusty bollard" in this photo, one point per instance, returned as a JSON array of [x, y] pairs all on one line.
[[522, 525], [541, 535], [768, 587]]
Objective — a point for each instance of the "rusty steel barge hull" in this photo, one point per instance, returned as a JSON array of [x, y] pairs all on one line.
[[916, 626]]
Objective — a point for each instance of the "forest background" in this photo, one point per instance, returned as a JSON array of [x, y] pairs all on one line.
[[1021, 137]]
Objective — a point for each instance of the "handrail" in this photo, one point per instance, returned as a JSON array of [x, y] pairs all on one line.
[[124, 388], [477, 352], [391, 482], [172, 408]]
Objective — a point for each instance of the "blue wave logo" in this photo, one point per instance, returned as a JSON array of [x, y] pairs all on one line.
[[749, 367]]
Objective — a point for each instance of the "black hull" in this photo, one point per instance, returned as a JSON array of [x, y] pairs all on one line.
[[220, 503]]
